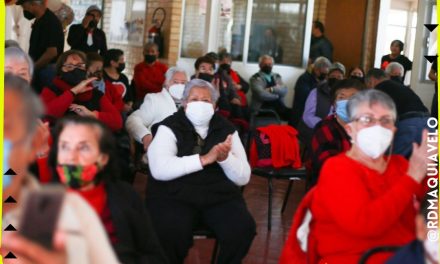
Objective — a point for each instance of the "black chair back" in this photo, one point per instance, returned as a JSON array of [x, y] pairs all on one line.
[[376, 250]]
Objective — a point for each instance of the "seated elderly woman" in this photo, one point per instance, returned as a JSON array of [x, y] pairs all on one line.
[[83, 158], [364, 198], [71, 92], [19, 63], [197, 162], [329, 137], [157, 106]]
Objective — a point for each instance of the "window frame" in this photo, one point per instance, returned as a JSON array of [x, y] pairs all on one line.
[[212, 24]]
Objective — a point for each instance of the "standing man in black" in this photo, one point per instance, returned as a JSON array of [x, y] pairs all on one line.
[[87, 37], [320, 45], [46, 42]]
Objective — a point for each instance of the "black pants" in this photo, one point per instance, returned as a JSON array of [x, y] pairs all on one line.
[[278, 106], [174, 221]]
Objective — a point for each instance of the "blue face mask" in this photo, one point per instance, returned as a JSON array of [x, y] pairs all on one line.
[[7, 179], [100, 85], [341, 110]]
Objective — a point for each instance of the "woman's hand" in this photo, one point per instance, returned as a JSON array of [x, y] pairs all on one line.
[[83, 86], [224, 148], [29, 252], [42, 136], [419, 159], [82, 110]]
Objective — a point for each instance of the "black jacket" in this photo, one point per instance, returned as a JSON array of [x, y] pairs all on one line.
[[137, 240], [77, 39]]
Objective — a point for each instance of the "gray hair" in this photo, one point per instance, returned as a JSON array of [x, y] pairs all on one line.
[[11, 43], [199, 83], [392, 66], [370, 97], [32, 104], [18, 54], [322, 62], [173, 70], [264, 57]]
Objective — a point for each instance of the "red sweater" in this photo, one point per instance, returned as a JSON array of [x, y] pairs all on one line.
[[355, 209], [115, 95], [57, 106], [149, 78]]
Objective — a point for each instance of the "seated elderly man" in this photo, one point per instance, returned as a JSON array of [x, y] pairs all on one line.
[[157, 106], [268, 89], [395, 71], [197, 162]]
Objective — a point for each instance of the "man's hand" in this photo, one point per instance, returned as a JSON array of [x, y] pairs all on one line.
[[146, 141], [29, 252]]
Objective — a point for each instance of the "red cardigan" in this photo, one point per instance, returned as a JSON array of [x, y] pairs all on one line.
[[355, 209], [149, 78], [114, 95], [57, 106]]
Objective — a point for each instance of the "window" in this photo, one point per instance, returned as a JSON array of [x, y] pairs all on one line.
[[431, 40], [79, 8], [277, 29], [245, 28]]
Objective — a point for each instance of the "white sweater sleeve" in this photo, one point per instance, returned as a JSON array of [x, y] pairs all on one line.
[[236, 166], [163, 160], [139, 122]]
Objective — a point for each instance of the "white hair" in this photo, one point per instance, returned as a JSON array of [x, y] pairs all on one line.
[[173, 70], [322, 62], [199, 83], [392, 66], [370, 97], [16, 53], [264, 57]]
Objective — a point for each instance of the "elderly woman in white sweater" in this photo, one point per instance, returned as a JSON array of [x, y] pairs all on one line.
[[157, 106]]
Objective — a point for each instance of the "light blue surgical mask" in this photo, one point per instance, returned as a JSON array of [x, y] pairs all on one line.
[[99, 84], [341, 110], [7, 179]]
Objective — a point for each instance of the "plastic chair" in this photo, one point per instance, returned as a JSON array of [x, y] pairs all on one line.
[[373, 251], [263, 118]]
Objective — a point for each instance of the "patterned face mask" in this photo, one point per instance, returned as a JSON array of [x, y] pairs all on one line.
[[77, 176]]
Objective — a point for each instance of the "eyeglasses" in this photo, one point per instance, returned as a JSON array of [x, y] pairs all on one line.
[[367, 120], [71, 67]]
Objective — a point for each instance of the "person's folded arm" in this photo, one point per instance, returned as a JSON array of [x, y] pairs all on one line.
[[280, 88], [258, 87], [351, 206], [164, 163], [236, 166], [139, 122]]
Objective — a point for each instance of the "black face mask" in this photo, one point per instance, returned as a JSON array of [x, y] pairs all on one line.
[[266, 69], [226, 67], [93, 24], [74, 77], [361, 79], [97, 74], [28, 15], [121, 67], [396, 79], [206, 77], [322, 76], [331, 81], [150, 58]]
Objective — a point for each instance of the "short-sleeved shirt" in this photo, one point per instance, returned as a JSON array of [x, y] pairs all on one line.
[[122, 85], [47, 32], [402, 59]]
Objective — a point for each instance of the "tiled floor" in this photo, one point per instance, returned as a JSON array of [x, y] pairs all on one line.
[[266, 246]]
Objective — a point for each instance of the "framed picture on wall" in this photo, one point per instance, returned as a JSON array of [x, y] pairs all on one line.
[[127, 25]]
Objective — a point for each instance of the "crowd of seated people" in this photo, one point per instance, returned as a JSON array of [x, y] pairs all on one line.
[[364, 132]]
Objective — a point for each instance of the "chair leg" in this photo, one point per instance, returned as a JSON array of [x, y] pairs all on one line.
[[215, 253], [286, 196], [269, 213]]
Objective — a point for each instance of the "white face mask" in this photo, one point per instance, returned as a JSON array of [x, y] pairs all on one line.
[[374, 141], [176, 91], [199, 113], [431, 249]]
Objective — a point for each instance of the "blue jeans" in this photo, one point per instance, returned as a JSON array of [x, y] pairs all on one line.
[[408, 131]]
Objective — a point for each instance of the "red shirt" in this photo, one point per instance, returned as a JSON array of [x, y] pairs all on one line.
[[57, 105], [149, 78], [355, 209]]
